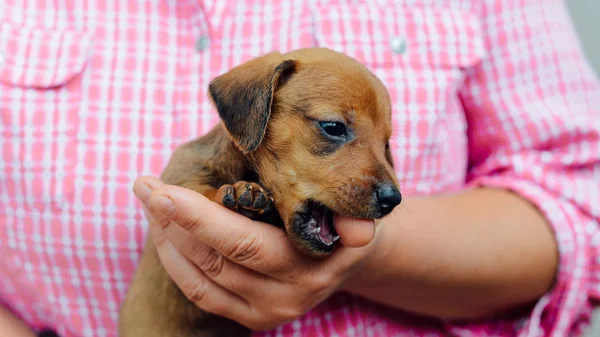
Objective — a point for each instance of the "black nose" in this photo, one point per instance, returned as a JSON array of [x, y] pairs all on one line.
[[388, 197]]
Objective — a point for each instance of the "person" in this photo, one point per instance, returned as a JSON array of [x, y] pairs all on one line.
[[496, 143]]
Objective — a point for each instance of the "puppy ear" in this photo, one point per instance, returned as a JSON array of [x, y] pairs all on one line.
[[244, 97]]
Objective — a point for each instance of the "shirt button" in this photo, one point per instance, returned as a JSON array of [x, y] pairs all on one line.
[[398, 44], [202, 43]]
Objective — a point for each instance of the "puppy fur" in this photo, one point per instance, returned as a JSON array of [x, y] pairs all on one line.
[[270, 160]]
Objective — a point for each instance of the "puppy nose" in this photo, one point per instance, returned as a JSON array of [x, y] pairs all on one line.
[[388, 197]]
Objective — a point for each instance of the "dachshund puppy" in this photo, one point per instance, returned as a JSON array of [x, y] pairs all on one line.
[[303, 136]]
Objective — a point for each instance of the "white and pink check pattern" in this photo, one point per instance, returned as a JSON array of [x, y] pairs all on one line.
[[95, 93]]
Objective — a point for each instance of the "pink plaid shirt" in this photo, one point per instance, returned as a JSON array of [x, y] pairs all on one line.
[[95, 93]]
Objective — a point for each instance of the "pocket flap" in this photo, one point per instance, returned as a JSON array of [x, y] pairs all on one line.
[[378, 34], [40, 58]]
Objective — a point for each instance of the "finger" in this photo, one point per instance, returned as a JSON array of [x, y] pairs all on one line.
[[354, 232], [361, 235], [255, 245], [143, 187], [240, 280], [198, 288], [147, 213]]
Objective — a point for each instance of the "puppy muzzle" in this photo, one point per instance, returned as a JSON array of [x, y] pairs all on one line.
[[313, 225]]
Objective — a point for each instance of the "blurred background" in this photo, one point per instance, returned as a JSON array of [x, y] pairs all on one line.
[[586, 16]]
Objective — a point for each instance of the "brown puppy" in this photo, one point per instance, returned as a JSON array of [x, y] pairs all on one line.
[[311, 127]]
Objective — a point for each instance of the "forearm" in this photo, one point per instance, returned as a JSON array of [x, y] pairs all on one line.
[[460, 256]]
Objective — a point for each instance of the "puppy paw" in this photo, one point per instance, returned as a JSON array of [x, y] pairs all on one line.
[[245, 198]]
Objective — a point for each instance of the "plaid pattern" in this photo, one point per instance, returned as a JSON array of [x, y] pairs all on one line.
[[95, 93]]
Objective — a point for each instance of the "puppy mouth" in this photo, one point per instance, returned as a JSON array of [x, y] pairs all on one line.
[[314, 226], [321, 224]]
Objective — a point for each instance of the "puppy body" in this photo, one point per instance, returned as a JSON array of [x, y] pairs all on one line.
[[303, 136], [155, 306]]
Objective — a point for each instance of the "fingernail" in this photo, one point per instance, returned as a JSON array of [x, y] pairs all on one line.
[[163, 205], [142, 192]]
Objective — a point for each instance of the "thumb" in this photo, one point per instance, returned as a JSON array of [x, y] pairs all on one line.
[[195, 213], [354, 232], [253, 244]]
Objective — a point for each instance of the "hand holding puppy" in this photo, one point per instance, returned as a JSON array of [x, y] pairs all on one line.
[[241, 269], [334, 162]]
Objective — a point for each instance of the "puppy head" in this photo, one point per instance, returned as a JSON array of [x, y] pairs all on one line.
[[314, 125]]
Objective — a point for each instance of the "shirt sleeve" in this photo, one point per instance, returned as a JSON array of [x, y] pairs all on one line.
[[533, 110]]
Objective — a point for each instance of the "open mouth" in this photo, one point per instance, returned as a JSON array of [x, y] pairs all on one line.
[[315, 226], [321, 224]]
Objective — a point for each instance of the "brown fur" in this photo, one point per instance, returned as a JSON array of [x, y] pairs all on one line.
[[269, 108]]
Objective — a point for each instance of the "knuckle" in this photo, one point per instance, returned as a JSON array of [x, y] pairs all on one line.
[[161, 221], [273, 316], [195, 292], [194, 224], [321, 282], [220, 308], [212, 263], [288, 313], [246, 248]]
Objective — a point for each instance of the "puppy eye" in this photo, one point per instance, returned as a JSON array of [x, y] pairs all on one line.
[[334, 129]]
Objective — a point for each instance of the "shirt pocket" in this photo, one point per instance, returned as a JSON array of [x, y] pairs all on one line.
[[422, 55], [393, 35], [40, 95]]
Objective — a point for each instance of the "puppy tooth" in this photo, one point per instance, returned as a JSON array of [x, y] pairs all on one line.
[[335, 238]]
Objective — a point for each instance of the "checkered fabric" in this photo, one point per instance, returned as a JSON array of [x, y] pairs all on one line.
[[96, 93]]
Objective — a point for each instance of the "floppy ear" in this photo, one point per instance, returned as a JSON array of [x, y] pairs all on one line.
[[244, 97]]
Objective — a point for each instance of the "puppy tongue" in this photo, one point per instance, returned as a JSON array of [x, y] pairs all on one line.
[[354, 232]]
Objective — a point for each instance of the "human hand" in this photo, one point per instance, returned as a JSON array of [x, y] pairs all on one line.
[[12, 326], [244, 270]]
